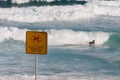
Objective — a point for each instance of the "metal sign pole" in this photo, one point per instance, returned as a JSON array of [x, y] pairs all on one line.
[[36, 66]]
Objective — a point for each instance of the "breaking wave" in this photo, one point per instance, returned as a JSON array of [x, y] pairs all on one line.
[[57, 37], [64, 36]]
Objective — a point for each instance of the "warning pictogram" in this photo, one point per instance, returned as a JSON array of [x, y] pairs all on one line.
[[36, 39], [36, 42]]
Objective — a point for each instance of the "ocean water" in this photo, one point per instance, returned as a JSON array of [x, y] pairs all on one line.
[[69, 29]]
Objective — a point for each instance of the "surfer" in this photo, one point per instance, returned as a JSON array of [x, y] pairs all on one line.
[[92, 43]]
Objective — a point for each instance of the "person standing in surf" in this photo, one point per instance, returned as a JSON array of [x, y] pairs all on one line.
[[92, 43]]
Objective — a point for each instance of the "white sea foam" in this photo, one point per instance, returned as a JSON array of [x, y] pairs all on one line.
[[12, 33], [61, 77], [45, 13], [106, 10], [57, 37], [115, 3], [51, 13]]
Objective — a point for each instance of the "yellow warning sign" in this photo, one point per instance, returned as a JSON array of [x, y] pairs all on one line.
[[36, 42]]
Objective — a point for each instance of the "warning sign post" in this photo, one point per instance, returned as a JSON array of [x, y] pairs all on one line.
[[36, 43]]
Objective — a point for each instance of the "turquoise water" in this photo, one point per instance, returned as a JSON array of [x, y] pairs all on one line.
[[66, 61]]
